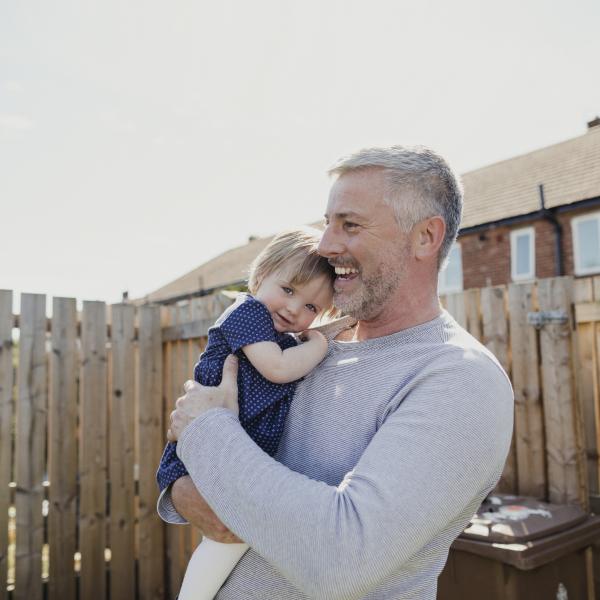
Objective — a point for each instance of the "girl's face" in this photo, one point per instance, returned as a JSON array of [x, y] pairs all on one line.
[[294, 307]]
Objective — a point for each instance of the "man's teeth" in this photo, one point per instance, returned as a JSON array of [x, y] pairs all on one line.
[[345, 270]]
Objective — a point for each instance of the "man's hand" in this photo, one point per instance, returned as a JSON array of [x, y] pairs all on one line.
[[198, 399], [193, 508]]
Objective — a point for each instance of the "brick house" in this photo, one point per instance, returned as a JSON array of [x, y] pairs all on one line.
[[532, 216]]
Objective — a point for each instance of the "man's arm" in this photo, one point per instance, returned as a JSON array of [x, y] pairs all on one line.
[[431, 459], [193, 508]]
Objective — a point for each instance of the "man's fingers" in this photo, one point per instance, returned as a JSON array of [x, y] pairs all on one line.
[[228, 385], [189, 384], [230, 371]]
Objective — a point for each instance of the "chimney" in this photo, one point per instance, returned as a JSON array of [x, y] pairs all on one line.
[[594, 123]]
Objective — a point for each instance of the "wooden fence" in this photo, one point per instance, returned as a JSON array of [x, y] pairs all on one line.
[[85, 398], [548, 454]]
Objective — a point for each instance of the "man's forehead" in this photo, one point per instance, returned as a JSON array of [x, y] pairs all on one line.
[[354, 202], [343, 214], [353, 189]]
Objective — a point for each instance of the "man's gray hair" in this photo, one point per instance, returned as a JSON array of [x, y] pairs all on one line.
[[419, 184]]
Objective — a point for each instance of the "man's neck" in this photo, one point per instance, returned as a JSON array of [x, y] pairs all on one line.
[[394, 317]]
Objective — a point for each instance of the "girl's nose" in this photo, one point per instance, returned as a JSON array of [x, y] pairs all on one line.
[[293, 306]]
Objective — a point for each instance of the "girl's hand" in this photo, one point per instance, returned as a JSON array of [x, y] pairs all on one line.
[[315, 337], [310, 334]]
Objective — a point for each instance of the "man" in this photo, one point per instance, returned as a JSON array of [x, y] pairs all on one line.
[[391, 443]]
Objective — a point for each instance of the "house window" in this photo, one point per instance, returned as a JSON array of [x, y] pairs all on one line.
[[451, 278], [586, 243], [522, 254]]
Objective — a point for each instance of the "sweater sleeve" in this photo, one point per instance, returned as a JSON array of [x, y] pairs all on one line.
[[437, 450]]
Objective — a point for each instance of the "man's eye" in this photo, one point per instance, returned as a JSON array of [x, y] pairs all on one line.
[[350, 225], [312, 308], [287, 290]]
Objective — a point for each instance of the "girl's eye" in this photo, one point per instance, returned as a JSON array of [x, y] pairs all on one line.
[[312, 308], [287, 290]]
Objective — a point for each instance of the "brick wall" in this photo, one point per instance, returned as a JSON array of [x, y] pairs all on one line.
[[486, 254]]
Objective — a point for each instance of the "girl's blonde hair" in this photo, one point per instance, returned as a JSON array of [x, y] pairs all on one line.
[[294, 253]]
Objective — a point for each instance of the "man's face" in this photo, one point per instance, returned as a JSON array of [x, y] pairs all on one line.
[[365, 244]]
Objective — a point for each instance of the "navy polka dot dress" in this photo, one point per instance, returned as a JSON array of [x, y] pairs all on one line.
[[263, 404]]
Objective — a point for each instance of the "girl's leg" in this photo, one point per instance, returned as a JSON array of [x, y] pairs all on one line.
[[208, 569]]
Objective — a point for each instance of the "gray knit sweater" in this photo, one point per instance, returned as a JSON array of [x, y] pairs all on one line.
[[390, 446]]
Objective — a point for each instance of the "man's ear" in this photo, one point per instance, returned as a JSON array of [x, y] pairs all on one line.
[[429, 235]]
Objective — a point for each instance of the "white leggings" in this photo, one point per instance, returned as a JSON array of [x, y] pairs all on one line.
[[208, 569]]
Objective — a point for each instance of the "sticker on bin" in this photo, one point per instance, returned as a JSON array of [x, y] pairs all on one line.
[[515, 512]]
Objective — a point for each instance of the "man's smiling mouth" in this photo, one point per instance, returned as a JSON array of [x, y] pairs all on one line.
[[345, 273]]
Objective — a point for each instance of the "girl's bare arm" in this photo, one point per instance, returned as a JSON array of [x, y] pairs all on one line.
[[284, 366]]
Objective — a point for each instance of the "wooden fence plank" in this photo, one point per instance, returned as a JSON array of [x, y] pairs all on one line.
[[587, 374], [151, 436], [564, 451], [187, 330], [199, 312], [455, 305], [587, 311], [62, 447], [529, 419], [473, 309], [174, 389], [93, 460], [6, 421], [186, 371], [31, 447], [591, 441], [201, 308], [121, 451], [495, 337]]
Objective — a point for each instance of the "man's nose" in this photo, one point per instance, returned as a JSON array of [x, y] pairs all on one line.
[[330, 244]]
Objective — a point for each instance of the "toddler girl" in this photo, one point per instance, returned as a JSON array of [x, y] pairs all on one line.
[[290, 285]]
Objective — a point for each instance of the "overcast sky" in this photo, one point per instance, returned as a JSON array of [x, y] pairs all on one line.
[[139, 139]]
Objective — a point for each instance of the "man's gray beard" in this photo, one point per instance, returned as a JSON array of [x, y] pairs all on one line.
[[368, 301]]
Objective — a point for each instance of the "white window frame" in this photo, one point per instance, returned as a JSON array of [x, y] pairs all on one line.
[[514, 235], [577, 268], [451, 289]]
